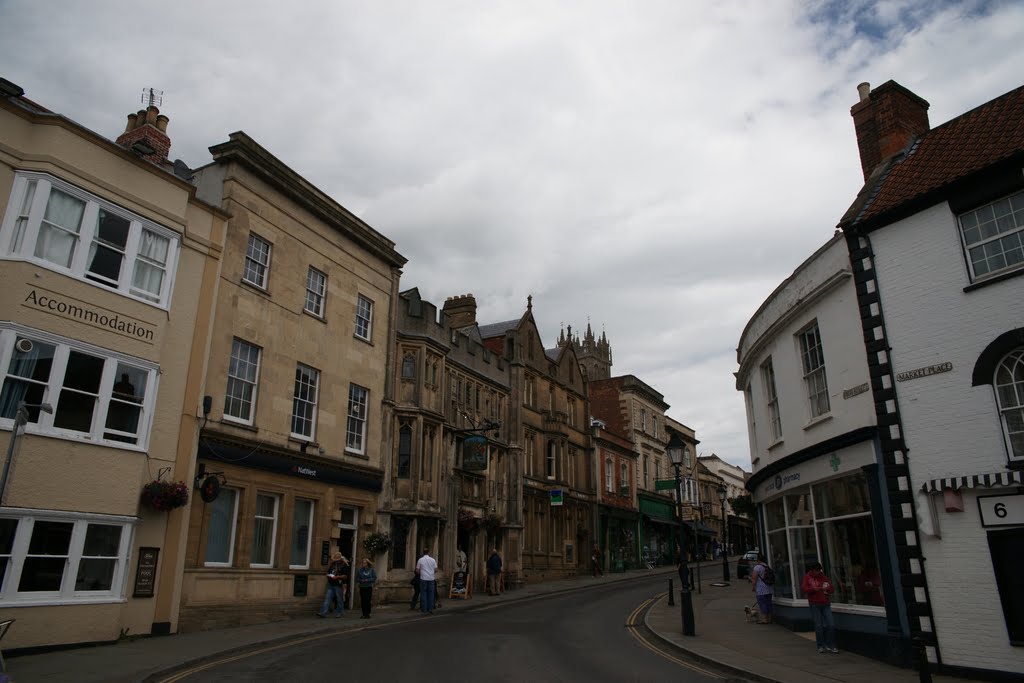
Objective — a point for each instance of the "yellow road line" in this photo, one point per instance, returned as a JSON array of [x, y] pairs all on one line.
[[633, 623]]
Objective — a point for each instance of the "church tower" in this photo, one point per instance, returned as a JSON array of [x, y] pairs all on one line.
[[595, 355]]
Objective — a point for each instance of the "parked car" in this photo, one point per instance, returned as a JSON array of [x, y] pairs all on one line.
[[745, 564]]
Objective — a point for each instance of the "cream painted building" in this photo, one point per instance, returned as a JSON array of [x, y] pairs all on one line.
[[299, 381], [109, 265]]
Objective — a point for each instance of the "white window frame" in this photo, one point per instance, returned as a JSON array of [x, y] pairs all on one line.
[[364, 318], [1006, 383], [316, 292], [812, 361], [309, 533], [9, 595], [19, 234], [609, 476], [243, 381], [355, 425], [984, 237], [258, 264], [298, 398], [771, 396], [237, 495], [275, 518], [44, 426]]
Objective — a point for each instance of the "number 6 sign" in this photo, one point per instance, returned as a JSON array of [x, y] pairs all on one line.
[[1001, 510]]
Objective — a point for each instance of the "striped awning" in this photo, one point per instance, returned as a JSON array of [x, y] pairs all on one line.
[[972, 481]]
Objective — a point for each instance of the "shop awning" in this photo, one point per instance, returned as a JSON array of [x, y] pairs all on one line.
[[972, 481], [702, 528]]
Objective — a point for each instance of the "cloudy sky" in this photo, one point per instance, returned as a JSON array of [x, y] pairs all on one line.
[[653, 167]]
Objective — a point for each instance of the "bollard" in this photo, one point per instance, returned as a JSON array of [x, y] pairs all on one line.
[[691, 579], [671, 597]]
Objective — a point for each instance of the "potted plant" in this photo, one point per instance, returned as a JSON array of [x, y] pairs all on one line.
[[468, 521], [377, 543], [165, 495], [493, 522]]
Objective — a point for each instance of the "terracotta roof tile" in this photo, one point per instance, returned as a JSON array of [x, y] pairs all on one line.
[[967, 144]]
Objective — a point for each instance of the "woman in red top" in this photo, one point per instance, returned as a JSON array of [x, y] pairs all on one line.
[[818, 589]]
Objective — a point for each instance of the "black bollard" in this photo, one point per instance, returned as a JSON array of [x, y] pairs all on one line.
[[924, 674], [671, 596]]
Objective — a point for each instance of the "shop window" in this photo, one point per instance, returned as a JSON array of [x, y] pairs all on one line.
[[220, 532], [264, 530], [302, 523]]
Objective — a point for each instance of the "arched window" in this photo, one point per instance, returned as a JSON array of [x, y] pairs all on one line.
[[1009, 383]]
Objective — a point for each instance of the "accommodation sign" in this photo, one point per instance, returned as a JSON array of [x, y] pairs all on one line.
[[90, 314], [924, 372]]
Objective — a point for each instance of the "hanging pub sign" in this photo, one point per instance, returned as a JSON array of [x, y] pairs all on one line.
[[474, 453]]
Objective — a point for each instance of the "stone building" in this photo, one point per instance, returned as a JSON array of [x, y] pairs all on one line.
[[451, 483], [298, 417], [110, 263], [740, 536]]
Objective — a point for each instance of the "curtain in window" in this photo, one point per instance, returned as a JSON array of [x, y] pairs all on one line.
[[26, 380], [58, 232], [22, 222], [149, 267], [263, 530], [222, 522], [300, 533]]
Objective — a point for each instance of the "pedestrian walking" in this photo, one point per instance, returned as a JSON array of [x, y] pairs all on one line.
[[335, 587], [595, 562], [365, 578], [761, 580], [426, 566], [493, 572], [818, 589]]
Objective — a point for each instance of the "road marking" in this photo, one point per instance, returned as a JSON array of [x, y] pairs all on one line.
[[634, 625]]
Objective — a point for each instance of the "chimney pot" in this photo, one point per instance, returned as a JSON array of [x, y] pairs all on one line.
[[864, 89], [161, 123], [131, 123]]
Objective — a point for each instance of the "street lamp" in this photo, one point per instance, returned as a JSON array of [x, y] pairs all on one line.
[[20, 420], [675, 455], [725, 536]]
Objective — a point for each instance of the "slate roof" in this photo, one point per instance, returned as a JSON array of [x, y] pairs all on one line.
[[972, 142], [498, 329]]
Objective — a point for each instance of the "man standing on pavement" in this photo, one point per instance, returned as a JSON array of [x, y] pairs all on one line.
[[762, 587], [493, 572], [425, 567]]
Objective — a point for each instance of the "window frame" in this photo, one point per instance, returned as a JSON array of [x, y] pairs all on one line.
[[364, 318], [609, 476], [812, 349], [23, 245], [1017, 356], [55, 384], [275, 520], [263, 268], [10, 596], [232, 533], [255, 383], [1016, 215], [309, 533], [318, 298], [771, 394], [297, 398], [354, 418]]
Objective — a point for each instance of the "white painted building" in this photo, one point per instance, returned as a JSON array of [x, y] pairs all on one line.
[[818, 480], [936, 242]]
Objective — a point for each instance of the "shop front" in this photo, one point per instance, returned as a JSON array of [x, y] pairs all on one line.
[[830, 509], [659, 530], [621, 541]]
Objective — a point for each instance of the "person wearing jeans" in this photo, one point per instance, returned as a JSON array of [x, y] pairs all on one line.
[[425, 567], [818, 589], [335, 586]]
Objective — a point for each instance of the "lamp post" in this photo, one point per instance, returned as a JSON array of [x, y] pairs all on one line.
[[20, 420], [675, 455], [725, 536]]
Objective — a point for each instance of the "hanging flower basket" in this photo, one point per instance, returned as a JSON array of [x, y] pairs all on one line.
[[165, 495], [468, 521], [377, 544], [493, 522]]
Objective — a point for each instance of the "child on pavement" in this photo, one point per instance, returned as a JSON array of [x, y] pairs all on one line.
[[818, 589]]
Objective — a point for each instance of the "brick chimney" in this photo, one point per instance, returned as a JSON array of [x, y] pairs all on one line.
[[887, 119], [460, 311], [147, 130]]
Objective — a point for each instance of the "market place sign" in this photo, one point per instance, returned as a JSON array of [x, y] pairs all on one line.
[[924, 372]]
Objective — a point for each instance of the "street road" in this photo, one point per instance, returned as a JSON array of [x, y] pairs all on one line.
[[580, 636]]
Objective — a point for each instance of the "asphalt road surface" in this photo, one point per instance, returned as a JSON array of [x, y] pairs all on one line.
[[581, 636]]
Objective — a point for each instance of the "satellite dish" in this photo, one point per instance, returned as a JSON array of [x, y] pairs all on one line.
[[210, 489]]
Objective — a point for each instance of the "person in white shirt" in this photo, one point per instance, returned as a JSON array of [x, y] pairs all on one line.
[[426, 566]]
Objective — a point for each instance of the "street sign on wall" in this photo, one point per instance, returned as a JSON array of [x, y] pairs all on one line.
[[556, 497], [664, 484]]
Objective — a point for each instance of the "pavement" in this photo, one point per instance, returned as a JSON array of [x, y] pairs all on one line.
[[723, 639]]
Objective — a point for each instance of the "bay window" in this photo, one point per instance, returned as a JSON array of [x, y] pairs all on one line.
[[61, 227]]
